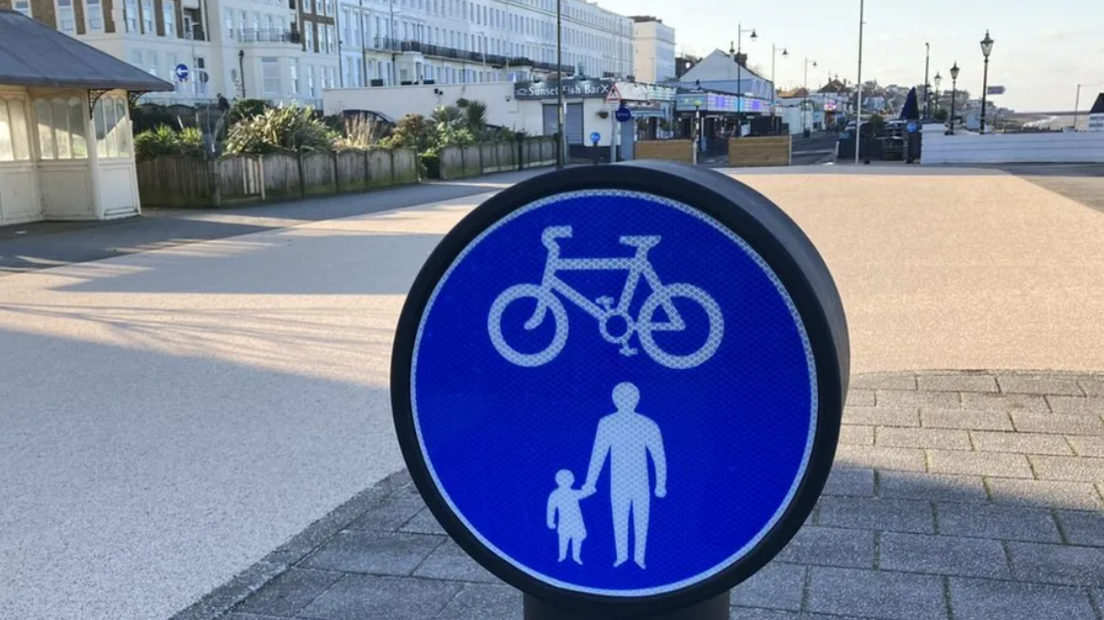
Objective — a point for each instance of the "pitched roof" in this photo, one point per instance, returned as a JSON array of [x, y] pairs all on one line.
[[33, 54], [1098, 107], [718, 67]]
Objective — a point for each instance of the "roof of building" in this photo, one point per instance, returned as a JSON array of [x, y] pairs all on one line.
[[717, 67], [33, 54], [834, 86], [1098, 107]]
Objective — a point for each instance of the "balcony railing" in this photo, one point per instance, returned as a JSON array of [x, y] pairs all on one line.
[[265, 35], [452, 53]]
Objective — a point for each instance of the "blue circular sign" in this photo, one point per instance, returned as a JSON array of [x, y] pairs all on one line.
[[181, 72], [912, 127], [609, 391], [623, 114], [595, 137]]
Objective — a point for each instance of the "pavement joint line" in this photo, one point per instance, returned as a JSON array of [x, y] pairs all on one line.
[[1008, 558], [1031, 465], [1061, 528], [935, 516], [877, 550], [946, 582], [806, 588], [1093, 603], [988, 489], [444, 541]]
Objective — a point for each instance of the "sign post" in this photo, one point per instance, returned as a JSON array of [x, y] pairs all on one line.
[[619, 389], [181, 72]]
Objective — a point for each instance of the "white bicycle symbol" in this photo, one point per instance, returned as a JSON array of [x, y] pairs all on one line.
[[644, 326]]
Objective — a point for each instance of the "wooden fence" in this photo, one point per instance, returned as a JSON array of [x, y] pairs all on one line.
[[171, 181], [764, 151], [469, 161], [675, 150]]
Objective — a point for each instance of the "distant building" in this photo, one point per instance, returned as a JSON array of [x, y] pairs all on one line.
[[719, 72], [1096, 114], [653, 50], [685, 63]]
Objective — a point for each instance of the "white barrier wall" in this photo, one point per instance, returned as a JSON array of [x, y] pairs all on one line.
[[1001, 148]]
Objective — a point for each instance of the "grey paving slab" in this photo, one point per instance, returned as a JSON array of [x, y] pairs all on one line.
[[997, 521], [377, 553], [907, 398], [227, 595], [389, 514], [897, 515], [1021, 443], [1046, 493], [860, 398], [1092, 405], [882, 416], [288, 593], [450, 562], [980, 599], [423, 523], [1062, 564], [756, 613], [966, 419], [1087, 446], [1083, 527], [878, 457], [245, 616], [1058, 423], [776, 586], [1041, 385], [857, 435], [364, 597], [830, 546], [1092, 386], [979, 463], [943, 555], [845, 480], [884, 381], [880, 594], [948, 439], [957, 383], [1068, 468], [1004, 402], [924, 486], [484, 602]]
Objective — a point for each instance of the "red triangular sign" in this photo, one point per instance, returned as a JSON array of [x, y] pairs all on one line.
[[614, 94]]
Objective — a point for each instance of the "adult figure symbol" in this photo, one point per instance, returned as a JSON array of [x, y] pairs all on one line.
[[628, 438]]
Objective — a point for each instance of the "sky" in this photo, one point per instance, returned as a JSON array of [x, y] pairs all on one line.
[[1042, 49]]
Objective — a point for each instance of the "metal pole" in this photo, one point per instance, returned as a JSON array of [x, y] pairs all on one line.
[[858, 86], [715, 608], [391, 41], [559, 85], [1076, 106], [954, 95], [774, 55], [805, 103], [927, 88], [984, 92], [363, 47], [739, 75]]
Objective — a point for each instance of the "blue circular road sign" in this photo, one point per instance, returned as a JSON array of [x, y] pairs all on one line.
[[181, 72], [912, 126], [623, 114], [595, 137], [622, 386]]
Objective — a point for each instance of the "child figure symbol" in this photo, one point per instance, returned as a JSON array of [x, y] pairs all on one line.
[[565, 517]]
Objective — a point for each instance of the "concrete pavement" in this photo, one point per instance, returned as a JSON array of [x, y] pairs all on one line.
[[172, 416]]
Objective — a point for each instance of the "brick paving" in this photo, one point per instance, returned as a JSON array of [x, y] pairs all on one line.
[[955, 496]]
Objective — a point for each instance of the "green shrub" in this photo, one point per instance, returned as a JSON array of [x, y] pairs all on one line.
[[360, 133], [412, 131], [164, 141], [245, 109], [291, 128]]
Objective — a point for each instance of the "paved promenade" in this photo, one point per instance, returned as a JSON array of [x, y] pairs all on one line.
[[172, 415]]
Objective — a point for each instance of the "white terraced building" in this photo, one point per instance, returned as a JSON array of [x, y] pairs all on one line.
[[284, 50]]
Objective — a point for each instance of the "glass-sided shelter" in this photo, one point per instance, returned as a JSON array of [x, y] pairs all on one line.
[[66, 150]]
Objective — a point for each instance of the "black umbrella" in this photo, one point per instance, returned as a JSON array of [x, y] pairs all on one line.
[[911, 110]]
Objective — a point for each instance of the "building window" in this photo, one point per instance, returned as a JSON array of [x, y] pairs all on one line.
[[112, 128], [15, 143], [168, 7], [270, 76], [151, 61], [229, 14], [93, 14], [201, 77], [308, 6], [310, 81], [66, 20], [61, 128], [293, 75], [147, 17], [23, 6], [308, 35], [329, 39]]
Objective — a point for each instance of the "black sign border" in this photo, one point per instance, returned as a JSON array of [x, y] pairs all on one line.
[[772, 234]]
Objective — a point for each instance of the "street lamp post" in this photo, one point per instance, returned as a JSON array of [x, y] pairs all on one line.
[[740, 30], [559, 86], [805, 104], [858, 86], [774, 54], [986, 47], [954, 94], [927, 86]]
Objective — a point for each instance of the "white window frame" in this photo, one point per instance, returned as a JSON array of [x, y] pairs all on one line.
[[93, 16], [148, 18], [24, 7], [270, 76], [293, 75], [65, 8], [168, 17]]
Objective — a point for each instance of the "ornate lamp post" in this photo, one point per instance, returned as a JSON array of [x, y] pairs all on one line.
[[805, 104], [986, 47], [954, 93], [774, 54], [740, 30], [938, 79]]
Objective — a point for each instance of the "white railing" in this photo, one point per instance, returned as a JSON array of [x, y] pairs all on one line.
[[1001, 148]]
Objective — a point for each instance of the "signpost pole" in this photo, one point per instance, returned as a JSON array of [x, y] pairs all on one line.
[[561, 147], [715, 608]]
